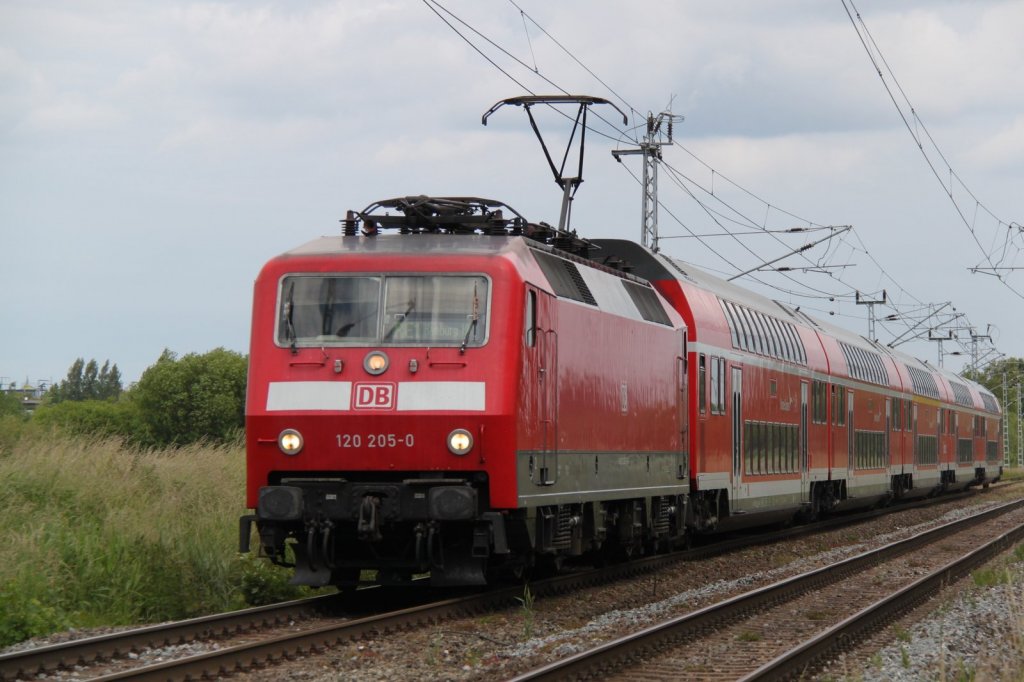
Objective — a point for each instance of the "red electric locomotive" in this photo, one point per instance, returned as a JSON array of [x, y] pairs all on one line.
[[461, 397], [477, 393]]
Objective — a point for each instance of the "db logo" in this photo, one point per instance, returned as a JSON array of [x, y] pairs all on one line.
[[374, 396]]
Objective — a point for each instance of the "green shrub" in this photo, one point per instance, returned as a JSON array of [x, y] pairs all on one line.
[[193, 398], [102, 418], [23, 616], [10, 405], [263, 583]]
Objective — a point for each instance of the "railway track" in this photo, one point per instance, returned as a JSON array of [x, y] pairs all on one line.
[[92, 650], [790, 628], [317, 623]]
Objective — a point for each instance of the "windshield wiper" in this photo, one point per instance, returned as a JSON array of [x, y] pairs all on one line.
[[289, 309], [327, 308], [472, 326], [472, 323]]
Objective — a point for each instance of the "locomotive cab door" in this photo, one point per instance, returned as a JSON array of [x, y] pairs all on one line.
[[546, 347]]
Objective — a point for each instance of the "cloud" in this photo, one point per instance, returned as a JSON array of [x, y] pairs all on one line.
[[219, 135], [1003, 149], [949, 61]]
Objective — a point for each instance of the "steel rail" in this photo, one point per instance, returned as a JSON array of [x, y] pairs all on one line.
[[612, 655], [30, 662], [798, 661]]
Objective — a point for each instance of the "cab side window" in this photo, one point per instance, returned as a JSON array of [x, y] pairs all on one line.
[[530, 321]]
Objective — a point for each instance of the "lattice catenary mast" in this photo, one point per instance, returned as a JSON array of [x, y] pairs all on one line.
[[659, 134], [1005, 422], [1020, 428]]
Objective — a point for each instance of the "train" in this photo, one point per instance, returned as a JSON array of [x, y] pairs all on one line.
[[448, 389]]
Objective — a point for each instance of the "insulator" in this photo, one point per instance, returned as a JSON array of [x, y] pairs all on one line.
[[348, 225]]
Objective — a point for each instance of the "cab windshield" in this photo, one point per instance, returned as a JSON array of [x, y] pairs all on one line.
[[333, 310]]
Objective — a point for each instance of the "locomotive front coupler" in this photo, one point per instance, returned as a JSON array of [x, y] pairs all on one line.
[[420, 544], [435, 550], [368, 524]]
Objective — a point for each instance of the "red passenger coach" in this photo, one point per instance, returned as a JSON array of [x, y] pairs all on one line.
[[462, 397]]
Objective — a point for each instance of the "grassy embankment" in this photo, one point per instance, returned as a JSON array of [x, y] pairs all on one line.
[[96, 533]]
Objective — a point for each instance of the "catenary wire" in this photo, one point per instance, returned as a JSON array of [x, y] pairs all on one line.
[[852, 10]]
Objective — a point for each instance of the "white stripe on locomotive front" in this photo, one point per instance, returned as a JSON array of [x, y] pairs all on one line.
[[413, 396]]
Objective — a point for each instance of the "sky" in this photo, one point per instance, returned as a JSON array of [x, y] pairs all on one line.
[[154, 155]]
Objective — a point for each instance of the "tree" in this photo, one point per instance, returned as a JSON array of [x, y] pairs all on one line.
[[70, 388], [195, 397], [991, 377], [109, 385], [9, 404], [86, 381], [90, 378]]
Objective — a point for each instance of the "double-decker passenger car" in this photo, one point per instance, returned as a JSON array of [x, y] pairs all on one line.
[[791, 412]]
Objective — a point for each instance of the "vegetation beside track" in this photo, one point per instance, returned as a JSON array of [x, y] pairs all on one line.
[[1011, 474], [95, 532]]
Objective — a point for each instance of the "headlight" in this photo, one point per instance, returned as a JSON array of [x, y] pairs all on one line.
[[290, 442], [375, 362], [460, 441]]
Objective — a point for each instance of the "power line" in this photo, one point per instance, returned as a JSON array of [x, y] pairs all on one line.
[[431, 5], [573, 57], [874, 50]]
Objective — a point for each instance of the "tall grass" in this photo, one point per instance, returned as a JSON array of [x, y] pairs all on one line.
[[96, 533]]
